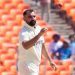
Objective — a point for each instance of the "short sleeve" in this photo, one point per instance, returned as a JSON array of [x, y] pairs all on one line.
[[24, 36]]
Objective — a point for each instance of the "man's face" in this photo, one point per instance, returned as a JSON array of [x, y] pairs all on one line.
[[56, 39], [30, 19], [65, 46], [72, 39]]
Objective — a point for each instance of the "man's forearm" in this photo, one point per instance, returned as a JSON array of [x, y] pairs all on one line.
[[30, 43], [45, 53], [49, 58]]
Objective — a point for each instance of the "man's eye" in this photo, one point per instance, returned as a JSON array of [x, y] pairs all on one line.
[[31, 16]]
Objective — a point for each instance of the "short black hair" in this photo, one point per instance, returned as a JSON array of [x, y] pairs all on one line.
[[71, 36], [26, 11], [65, 42], [56, 35]]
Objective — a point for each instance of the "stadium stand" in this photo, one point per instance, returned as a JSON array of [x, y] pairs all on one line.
[[10, 25], [68, 6]]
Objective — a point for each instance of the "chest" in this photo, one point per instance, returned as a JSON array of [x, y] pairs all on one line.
[[34, 33]]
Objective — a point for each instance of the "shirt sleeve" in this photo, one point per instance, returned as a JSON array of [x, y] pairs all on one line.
[[24, 36]]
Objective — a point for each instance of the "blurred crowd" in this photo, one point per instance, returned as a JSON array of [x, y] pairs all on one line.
[[57, 49], [45, 8], [62, 49]]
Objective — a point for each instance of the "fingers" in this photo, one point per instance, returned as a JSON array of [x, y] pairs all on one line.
[[43, 30], [54, 66]]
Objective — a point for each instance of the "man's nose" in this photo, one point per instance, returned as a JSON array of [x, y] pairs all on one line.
[[33, 17]]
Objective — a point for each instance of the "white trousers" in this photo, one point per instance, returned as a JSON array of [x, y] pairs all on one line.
[[24, 69]]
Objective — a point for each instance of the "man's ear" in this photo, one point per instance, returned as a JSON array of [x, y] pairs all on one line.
[[24, 17]]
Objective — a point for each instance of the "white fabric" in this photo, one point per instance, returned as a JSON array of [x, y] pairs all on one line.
[[54, 46], [24, 69], [30, 58]]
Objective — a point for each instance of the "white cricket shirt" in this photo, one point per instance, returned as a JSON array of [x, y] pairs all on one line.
[[32, 56]]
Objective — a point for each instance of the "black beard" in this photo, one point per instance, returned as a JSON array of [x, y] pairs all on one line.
[[32, 23]]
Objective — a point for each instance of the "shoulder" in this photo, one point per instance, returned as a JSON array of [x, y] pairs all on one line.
[[51, 43], [60, 43], [60, 49], [38, 27], [24, 31]]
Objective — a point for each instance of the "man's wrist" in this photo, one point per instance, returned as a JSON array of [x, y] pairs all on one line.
[[39, 35], [51, 62]]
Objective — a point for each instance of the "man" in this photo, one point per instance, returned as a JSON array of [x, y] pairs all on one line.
[[72, 43], [72, 48], [64, 52], [31, 45], [45, 9], [55, 45]]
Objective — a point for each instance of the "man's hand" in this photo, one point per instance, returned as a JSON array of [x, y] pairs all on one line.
[[43, 30], [53, 65]]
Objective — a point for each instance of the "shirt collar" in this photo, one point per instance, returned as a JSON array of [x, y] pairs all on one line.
[[31, 28]]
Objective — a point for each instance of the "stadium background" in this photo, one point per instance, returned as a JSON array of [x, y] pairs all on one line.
[[10, 24]]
